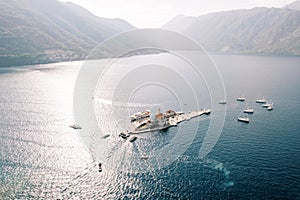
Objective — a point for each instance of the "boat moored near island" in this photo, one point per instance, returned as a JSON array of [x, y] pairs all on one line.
[[123, 135], [105, 136], [75, 126], [140, 115], [132, 138]]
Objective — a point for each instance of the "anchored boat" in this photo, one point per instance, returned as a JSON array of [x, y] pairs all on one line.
[[270, 108], [223, 102], [262, 100], [75, 126], [123, 135], [241, 99], [249, 111], [266, 105], [132, 138], [105, 136], [244, 119], [144, 157]]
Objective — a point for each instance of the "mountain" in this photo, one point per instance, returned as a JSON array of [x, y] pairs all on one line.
[[294, 5], [254, 31], [41, 31]]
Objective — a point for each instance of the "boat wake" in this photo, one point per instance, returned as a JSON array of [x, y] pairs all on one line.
[[219, 166], [105, 102]]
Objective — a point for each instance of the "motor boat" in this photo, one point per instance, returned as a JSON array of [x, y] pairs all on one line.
[[105, 136], [241, 99], [123, 135], [270, 107], [249, 111], [223, 102], [244, 119], [132, 138], [262, 100], [75, 126], [266, 105]]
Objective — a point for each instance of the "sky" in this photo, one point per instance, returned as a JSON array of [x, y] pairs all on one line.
[[155, 13]]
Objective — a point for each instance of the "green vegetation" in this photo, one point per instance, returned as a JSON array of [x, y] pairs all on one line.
[[42, 31]]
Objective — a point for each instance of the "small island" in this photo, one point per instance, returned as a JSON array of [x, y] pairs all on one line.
[[143, 122]]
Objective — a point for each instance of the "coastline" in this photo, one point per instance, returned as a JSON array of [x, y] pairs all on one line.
[[130, 54]]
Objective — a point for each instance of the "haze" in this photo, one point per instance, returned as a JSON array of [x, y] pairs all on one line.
[[155, 13]]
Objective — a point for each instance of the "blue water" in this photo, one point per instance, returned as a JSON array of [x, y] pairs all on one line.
[[41, 157]]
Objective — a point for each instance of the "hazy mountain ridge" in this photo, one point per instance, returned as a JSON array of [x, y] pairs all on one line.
[[294, 5], [41, 31], [257, 30]]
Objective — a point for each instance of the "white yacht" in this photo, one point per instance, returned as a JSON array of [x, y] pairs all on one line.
[[207, 111], [249, 110], [244, 119], [241, 99], [266, 105], [270, 107], [262, 100], [144, 157], [223, 102]]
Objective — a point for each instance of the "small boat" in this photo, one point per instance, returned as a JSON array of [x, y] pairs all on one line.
[[75, 126], [123, 135], [241, 99], [100, 167], [270, 107], [132, 139], [223, 102], [262, 100], [144, 157], [266, 105], [244, 119], [248, 110], [140, 115], [207, 112], [105, 136]]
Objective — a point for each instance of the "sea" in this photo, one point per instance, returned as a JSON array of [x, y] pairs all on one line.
[[209, 157]]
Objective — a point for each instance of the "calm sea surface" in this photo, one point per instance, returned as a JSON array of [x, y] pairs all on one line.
[[41, 157]]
